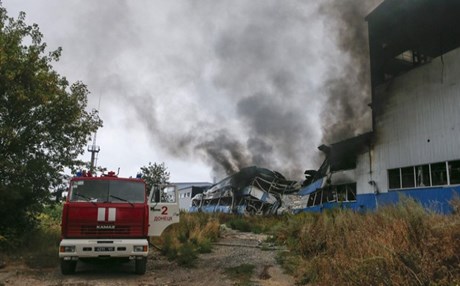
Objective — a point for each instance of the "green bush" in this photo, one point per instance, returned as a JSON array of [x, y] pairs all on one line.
[[186, 255], [37, 246], [239, 223]]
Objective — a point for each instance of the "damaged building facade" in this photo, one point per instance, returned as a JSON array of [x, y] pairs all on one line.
[[414, 147]]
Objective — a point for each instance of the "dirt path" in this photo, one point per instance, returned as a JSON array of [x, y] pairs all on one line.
[[234, 249]]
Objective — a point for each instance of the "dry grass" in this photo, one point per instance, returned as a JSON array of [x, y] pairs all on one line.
[[192, 235], [398, 245]]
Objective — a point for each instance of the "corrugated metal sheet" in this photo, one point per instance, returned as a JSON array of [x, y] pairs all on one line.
[[420, 120]]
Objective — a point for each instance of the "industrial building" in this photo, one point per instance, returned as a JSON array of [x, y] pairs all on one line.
[[187, 190], [413, 149]]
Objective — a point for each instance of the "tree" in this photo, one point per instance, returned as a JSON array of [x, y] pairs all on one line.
[[44, 124], [155, 174]]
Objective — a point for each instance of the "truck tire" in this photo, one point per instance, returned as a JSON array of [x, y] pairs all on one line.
[[68, 266], [141, 266]]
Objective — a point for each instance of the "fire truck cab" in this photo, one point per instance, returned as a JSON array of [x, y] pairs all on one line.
[[111, 217]]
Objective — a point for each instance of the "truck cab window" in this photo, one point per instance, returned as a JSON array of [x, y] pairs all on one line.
[[164, 194], [89, 191], [122, 191]]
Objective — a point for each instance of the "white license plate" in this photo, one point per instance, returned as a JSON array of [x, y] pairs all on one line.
[[99, 248]]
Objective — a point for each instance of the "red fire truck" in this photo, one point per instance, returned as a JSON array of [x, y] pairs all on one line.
[[111, 217]]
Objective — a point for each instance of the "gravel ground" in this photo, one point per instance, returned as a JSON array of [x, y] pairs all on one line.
[[235, 248]]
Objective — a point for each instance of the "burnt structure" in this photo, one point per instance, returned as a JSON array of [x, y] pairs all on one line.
[[413, 148]]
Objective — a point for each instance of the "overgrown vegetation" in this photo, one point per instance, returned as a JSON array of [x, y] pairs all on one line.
[[398, 245], [37, 246], [241, 273], [192, 235], [255, 224]]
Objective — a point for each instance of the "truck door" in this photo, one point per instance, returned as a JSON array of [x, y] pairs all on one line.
[[163, 207]]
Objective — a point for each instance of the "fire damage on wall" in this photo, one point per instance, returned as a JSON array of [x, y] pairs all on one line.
[[402, 36]]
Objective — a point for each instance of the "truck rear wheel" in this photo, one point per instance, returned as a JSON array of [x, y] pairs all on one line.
[[68, 266], [141, 265]]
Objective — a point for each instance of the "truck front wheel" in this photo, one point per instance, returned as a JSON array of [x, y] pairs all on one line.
[[141, 265], [68, 266]]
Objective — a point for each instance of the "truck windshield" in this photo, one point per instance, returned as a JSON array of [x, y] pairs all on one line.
[[107, 191]]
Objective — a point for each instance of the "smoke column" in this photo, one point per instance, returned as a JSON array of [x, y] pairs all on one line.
[[231, 83], [346, 112], [262, 83]]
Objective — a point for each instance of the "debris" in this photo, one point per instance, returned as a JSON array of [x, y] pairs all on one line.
[[252, 190]]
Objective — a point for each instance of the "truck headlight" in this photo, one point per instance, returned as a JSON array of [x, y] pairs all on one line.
[[140, 248], [67, 248]]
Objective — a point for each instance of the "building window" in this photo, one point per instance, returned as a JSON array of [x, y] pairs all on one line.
[[311, 199], [439, 174], [422, 174], [394, 179], [318, 197], [329, 195], [407, 177], [454, 172], [346, 193], [332, 194], [351, 192]]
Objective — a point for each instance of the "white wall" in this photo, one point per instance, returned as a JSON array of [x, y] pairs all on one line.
[[419, 122], [185, 198]]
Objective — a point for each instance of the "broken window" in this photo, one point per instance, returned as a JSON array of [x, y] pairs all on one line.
[[454, 172], [422, 174], [351, 192], [407, 177], [342, 194], [329, 195], [394, 179], [439, 174], [318, 197], [315, 198], [311, 199], [346, 193]]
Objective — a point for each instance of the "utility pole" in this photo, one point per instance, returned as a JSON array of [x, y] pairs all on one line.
[[94, 150]]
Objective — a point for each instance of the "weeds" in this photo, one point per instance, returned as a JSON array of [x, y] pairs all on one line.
[[241, 273], [254, 224], [192, 235], [398, 245], [37, 246]]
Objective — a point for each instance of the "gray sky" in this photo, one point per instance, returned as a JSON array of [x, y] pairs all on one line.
[[208, 87]]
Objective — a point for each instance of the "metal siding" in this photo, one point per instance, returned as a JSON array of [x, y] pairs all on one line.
[[421, 105], [362, 174]]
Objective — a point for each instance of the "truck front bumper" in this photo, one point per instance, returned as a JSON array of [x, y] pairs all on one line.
[[73, 249]]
